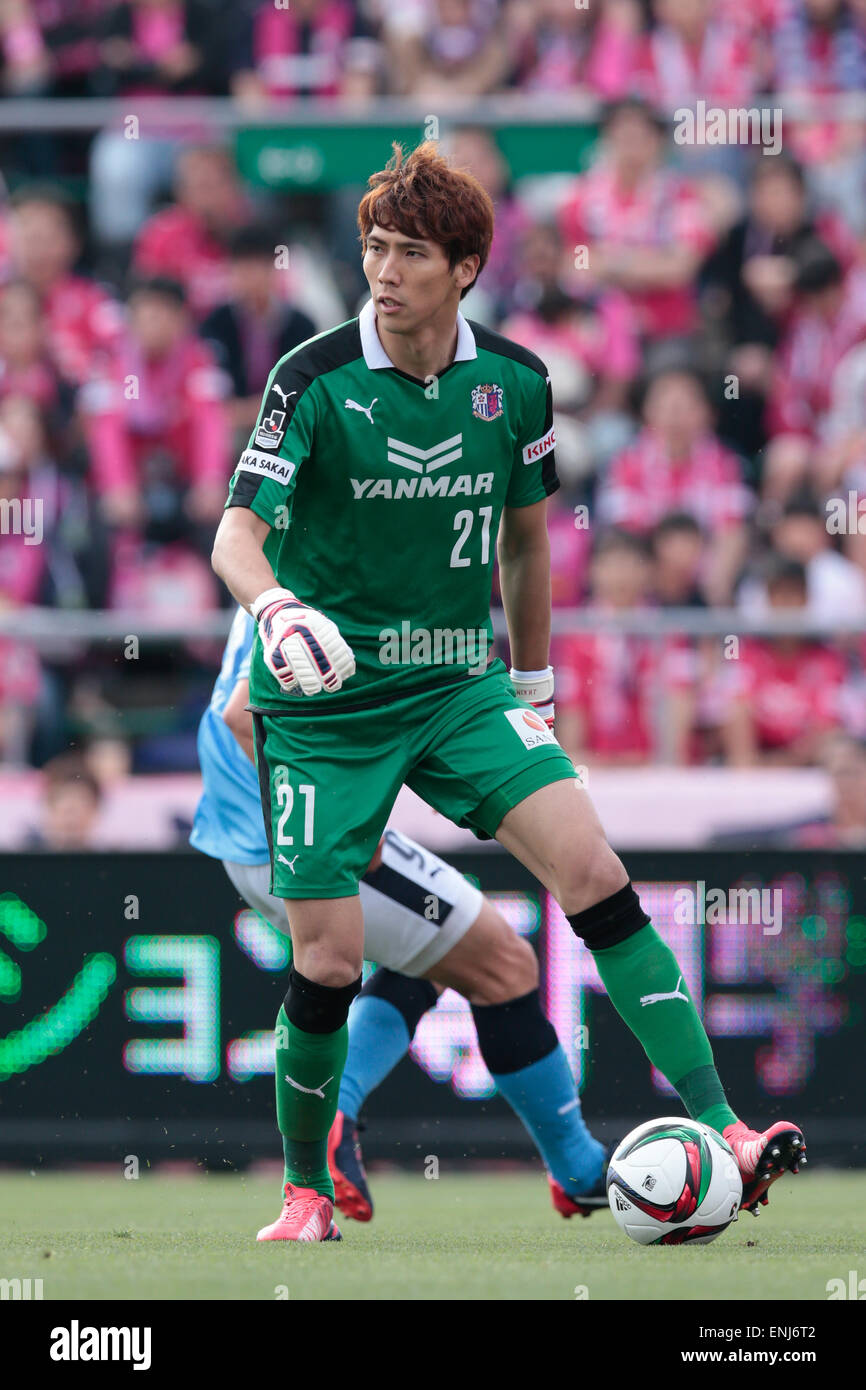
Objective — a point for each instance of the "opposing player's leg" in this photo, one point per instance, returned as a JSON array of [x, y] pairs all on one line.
[[556, 833]]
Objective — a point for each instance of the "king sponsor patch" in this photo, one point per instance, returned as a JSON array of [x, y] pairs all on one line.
[[539, 447], [266, 465]]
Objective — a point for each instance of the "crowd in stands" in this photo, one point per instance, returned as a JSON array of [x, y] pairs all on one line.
[[703, 320]]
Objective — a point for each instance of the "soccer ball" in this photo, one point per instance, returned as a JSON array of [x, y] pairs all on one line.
[[674, 1182]]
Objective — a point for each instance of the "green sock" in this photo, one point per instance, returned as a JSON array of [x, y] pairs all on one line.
[[669, 1029], [315, 1062]]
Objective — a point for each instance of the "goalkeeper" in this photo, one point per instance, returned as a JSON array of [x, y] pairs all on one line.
[[391, 455]]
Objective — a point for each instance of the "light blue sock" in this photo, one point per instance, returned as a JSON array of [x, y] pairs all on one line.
[[378, 1038], [545, 1098]]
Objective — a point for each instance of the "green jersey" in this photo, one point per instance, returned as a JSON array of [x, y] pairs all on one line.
[[384, 495]]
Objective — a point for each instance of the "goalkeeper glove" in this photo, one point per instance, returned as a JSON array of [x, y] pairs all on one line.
[[536, 688], [301, 647]]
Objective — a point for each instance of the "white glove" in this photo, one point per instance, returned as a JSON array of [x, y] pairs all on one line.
[[536, 688], [301, 647]]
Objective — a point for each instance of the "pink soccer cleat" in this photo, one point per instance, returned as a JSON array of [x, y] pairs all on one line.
[[306, 1215], [762, 1158], [584, 1205]]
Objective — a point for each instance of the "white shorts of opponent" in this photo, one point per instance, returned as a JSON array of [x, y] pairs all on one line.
[[416, 907]]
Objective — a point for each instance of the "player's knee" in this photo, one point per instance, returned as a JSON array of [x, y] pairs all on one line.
[[510, 971], [581, 883], [320, 962]]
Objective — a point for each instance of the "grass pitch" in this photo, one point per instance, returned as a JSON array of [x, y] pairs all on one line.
[[484, 1236]]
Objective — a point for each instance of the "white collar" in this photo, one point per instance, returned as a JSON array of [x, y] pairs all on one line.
[[375, 355]]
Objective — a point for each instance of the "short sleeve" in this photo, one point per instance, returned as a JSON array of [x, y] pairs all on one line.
[[533, 471], [280, 445]]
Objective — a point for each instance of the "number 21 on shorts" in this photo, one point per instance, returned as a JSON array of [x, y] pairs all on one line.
[[285, 795]]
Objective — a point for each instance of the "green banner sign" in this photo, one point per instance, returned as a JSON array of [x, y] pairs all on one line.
[[320, 158]]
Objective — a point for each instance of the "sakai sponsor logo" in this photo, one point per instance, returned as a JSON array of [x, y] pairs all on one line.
[[425, 460], [487, 401], [539, 447], [271, 430], [529, 727], [267, 465]]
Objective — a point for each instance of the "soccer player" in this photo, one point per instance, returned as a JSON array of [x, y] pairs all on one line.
[[423, 921], [390, 455]]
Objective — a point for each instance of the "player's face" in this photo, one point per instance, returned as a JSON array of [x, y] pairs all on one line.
[[411, 281]]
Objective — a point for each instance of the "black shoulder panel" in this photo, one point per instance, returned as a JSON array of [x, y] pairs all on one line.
[[491, 341], [297, 371]]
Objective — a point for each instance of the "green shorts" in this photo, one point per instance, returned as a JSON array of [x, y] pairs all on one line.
[[470, 749]]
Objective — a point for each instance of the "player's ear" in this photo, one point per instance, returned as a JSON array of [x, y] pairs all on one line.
[[466, 270]]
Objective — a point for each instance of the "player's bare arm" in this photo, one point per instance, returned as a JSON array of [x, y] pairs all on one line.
[[524, 576], [238, 555], [238, 718]]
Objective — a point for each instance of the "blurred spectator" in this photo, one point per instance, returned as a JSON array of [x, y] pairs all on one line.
[[783, 693], [693, 52], [842, 454], [25, 66], [749, 283], [589, 347], [440, 50], [151, 46], [677, 551], [540, 265], [473, 148], [256, 327], [835, 586], [70, 806], [634, 225], [67, 32], [22, 563], [25, 366], [558, 46], [157, 428], [844, 760], [569, 552], [828, 318], [621, 698], [189, 241], [677, 464], [83, 323], [819, 49], [62, 561], [312, 48]]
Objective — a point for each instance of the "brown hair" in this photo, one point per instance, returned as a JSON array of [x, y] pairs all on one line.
[[424, 198]]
